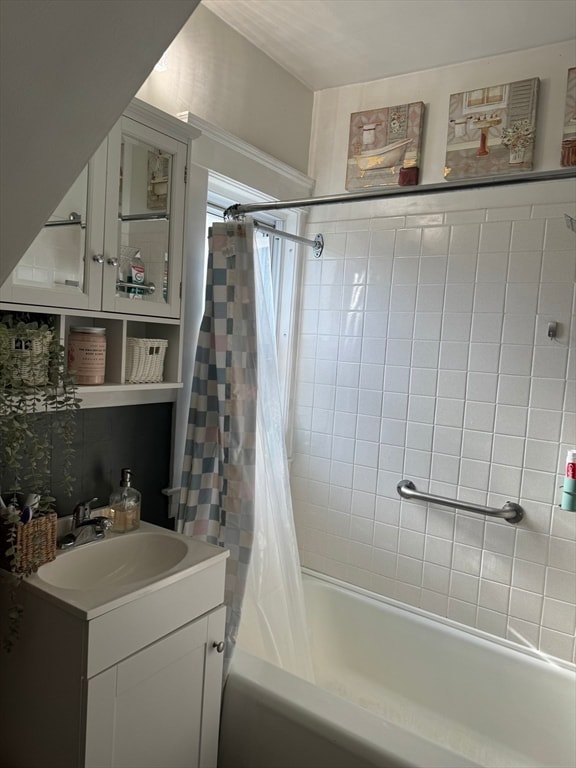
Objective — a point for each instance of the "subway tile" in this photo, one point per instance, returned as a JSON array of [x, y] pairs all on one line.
[[456, 326], [388, 222], [408, 242], [495, 236], [513, 390], [544, 424], [516, 359], [525, 266], [492, 267], [558, 237], [479, 416], [447, 440], [433, 602], [467, 559], [557, 644], [555, 299], [521, 298], [419, 436], [562, 554], [559, 616], [387, 511], [476, 445], [482, 386], [464, 586], [430, 298], [487, 327], [511, 420], [435, 240], [451, 384], [363, 506], [461, 268], [353, 298], [539, 486], [474, 474], [518, 329], [527, 235], [526, 605], [508, 213], [505, 480], [425, 220], [492, 622], [345, 424], [458, 218], [494, 596], [560, 585], [464, 613], [458, 297]]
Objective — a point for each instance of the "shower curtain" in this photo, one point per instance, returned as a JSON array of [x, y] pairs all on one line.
[[235, 488]]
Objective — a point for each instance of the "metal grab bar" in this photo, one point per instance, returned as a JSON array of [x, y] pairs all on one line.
[[511, 511]]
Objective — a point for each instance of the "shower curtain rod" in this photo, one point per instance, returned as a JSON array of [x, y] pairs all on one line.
[[317, 244], [239, 209]]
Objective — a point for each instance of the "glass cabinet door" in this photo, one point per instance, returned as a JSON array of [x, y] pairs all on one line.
[[63, 265], [144, 222]]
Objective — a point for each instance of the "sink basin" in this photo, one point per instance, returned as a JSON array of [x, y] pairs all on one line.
[[121, 560]]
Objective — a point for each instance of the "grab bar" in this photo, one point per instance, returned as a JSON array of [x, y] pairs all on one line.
[[511, 511]]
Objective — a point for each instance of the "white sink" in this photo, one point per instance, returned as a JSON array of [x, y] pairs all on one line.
[[116, 561], [100, 576]]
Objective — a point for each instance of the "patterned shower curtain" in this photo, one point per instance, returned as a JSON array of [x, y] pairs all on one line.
[[217, 498]]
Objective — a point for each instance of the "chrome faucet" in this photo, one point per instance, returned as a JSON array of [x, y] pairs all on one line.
[[84, 527]]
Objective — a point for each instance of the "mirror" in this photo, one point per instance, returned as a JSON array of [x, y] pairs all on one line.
[[55, 259], [144, 221]]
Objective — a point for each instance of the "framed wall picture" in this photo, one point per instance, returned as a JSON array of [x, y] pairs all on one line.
[[384, 146], [491, 130], [568, 153]]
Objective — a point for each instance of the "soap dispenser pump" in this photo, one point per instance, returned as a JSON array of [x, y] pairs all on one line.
[[125, 505]]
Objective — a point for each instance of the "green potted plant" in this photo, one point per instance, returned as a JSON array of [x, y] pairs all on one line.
[[38, 406]]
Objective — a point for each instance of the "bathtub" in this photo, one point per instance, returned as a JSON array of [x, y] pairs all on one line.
[[398, 687]]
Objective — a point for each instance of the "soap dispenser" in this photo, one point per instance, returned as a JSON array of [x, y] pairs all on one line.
[[125, 505]]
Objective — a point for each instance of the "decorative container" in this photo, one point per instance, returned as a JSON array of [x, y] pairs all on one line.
[[145, 360], [34, 542], [87, 355], [30, 355]]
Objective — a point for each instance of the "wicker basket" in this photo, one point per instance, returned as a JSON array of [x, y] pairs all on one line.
[[30, 355], [145, 360], [35, 543]]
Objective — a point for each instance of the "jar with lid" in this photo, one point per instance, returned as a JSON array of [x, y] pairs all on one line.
[[87, 354]]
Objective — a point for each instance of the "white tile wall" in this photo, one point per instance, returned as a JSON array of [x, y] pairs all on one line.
[[423, 354]]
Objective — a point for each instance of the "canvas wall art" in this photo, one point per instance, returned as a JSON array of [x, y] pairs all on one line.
[[384, 146], [492, 130], [568, 153]]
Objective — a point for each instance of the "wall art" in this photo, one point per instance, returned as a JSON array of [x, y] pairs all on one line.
[[491, 130], [568, 154], [384, 146]]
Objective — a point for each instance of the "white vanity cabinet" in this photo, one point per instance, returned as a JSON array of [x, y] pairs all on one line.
[[127, 209], [132, 682]]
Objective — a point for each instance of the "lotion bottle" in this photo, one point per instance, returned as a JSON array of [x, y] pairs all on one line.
[[125, 504]]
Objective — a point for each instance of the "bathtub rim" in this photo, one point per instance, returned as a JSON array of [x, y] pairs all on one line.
[[474, 632]]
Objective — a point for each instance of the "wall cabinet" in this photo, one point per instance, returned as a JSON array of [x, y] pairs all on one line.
[[113, 252]]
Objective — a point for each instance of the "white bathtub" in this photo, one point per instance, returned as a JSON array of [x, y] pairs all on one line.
[[398, 687]]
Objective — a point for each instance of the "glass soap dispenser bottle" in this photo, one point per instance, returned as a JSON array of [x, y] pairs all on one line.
[[125, 505]]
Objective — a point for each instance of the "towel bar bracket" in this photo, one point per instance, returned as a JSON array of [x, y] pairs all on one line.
[[511, 512]]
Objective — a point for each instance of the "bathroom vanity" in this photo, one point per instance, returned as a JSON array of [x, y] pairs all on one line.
[[119, 660]]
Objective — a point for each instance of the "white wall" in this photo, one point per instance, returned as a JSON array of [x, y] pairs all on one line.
[[60, 93], [217, 75], [423, 354]]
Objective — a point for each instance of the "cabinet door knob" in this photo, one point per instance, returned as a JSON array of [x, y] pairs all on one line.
[[219, 646], [98, 258], [113, 261]]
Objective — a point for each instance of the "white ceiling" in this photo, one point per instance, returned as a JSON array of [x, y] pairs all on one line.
[[329, 43]]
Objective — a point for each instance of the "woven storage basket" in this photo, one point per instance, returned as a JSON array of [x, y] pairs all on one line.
[[145, 360], [30, 355], [35, 543]]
